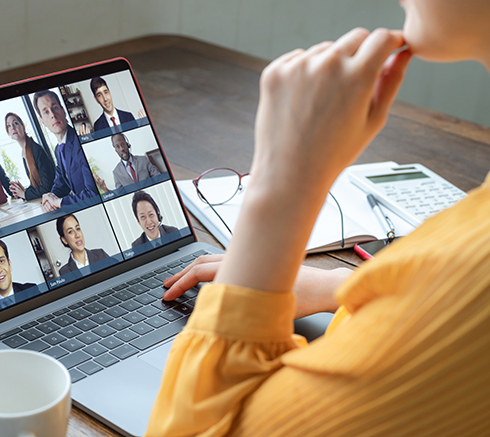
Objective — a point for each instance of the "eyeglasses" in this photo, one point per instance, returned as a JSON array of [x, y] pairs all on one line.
[[218, 186]]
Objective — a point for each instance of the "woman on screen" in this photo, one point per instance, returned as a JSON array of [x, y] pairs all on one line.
[[71, 236], [39, 167]]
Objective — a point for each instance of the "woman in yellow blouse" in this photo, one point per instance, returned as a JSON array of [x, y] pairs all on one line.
[[409, 353]]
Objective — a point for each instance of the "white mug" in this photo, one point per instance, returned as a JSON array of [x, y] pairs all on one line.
[[34, 395]]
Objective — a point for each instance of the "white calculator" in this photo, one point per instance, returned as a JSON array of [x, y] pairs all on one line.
[[412, 191]]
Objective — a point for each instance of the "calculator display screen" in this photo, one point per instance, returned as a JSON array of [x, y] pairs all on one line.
[[397, 177]]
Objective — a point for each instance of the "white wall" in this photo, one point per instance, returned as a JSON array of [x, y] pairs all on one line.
[[265, 28]]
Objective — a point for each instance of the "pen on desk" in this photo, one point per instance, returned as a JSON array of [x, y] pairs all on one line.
[[383, 220]]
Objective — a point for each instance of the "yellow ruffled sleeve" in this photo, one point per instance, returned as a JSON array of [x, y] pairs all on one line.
[[233, 342]]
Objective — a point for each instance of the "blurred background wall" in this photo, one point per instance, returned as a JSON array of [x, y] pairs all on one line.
[[35, 30]]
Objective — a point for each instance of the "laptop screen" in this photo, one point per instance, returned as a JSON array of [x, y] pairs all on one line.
[[84, 187]]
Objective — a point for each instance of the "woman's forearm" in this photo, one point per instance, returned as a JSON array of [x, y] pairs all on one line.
[[318, 110]]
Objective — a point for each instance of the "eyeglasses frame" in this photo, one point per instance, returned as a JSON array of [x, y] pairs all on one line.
[[239, 188]]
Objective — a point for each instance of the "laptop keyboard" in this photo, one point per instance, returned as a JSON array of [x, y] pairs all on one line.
[[97, 332]]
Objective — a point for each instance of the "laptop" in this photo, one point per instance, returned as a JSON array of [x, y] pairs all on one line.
[[92, 226]]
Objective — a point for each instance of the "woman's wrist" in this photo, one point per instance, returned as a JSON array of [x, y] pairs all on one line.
[[315, 289], [269, 240]]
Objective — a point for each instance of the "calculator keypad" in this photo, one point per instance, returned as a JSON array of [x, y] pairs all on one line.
[[424, 199]]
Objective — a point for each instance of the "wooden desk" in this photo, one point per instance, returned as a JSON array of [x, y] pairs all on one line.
[[203, 99]]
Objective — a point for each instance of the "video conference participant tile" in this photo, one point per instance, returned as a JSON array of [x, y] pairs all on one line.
[[76, 245], [147, 219], [21, 275]]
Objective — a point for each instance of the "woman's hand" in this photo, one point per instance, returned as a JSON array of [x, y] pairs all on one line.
[[318, 110], [17, 190], [203, 269], [314, 288]]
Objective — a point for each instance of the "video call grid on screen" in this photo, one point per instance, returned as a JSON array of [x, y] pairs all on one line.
[[40, 244]]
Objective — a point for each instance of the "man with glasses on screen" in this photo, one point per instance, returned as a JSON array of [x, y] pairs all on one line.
[[73, 181]]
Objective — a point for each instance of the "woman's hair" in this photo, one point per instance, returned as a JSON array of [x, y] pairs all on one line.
[[11, 114], [31, 164], [59, 226]]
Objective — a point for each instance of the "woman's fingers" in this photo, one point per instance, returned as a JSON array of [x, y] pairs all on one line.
[[286, 57], [199, 273], [376, 48], [201, 260], [318, 48], [388, 84], [383, 73], [203, 269], [349, 43]]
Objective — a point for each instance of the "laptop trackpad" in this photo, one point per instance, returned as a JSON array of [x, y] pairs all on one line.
[[157, 357]]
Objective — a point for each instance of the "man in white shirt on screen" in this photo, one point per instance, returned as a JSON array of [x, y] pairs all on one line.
[[111, 116]]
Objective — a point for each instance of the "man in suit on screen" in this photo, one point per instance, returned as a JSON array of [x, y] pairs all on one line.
[[149, 218], [73, 180], [111, 116], [131, 168]]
